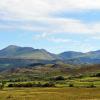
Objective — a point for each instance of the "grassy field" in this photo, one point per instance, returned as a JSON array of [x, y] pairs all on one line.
[[50, 94], [61, 85]]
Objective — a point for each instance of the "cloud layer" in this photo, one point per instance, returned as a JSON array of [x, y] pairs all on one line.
[[37, 16], [40, 11], [34, 8]]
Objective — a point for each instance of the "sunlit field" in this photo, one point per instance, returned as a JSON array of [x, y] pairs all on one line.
[[50, 94]]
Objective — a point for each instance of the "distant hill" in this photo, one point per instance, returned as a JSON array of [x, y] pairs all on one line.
[[70, 55], [73, 57], [13, 51], [93, 54], [21, 56]]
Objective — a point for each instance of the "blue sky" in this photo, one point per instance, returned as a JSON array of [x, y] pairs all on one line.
[[55, 25]]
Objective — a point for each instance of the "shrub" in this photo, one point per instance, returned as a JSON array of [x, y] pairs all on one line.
[[91, 86], [97, 75], [50, 84], [10, 85], [71, 85], [2, 84], [58, 78]]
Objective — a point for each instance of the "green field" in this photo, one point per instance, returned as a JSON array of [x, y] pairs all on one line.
[[84, 88], [50, 94], [48, 83]]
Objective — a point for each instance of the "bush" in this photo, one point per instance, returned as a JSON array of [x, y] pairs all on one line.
[[58, 78], [2, 85], [50, 84], [11, 85], [32, 85], [71, 85], [97, 75], [91, 86]]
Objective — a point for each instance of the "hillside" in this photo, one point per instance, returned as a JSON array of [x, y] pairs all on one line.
[[70, 55], [23, 56], [48, 70], [13, 51]]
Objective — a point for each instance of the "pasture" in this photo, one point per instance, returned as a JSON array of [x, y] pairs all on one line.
[[65, 93]]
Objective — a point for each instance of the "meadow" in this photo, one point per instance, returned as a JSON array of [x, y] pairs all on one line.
[[50, 93], [50, 86]]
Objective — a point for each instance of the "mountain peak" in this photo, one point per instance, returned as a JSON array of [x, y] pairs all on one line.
[[13, 46], [13, 51], [18, 47]]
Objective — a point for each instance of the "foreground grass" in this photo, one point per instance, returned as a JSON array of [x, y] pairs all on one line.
[[50, 94]]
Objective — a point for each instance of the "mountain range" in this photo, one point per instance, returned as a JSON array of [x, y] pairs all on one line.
[[13, 51], [71, 57]]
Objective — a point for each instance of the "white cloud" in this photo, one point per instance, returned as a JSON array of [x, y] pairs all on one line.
[[30, 9], [59, 40], [56, 26], [50, 37], [40, 11]]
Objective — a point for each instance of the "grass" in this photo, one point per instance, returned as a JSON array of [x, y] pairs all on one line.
[[82, 90], [50, 94]]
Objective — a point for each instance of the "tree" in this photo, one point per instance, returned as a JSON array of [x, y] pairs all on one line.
[[91, 85], [97, 75], [71, 85], [58, 78], [2, 84]]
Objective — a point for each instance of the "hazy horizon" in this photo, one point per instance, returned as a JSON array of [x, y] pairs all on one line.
[[47, 50]]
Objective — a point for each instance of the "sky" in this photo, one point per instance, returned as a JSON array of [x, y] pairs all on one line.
[[54, 25]]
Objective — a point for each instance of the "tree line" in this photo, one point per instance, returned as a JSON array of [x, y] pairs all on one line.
[[48, 84]]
